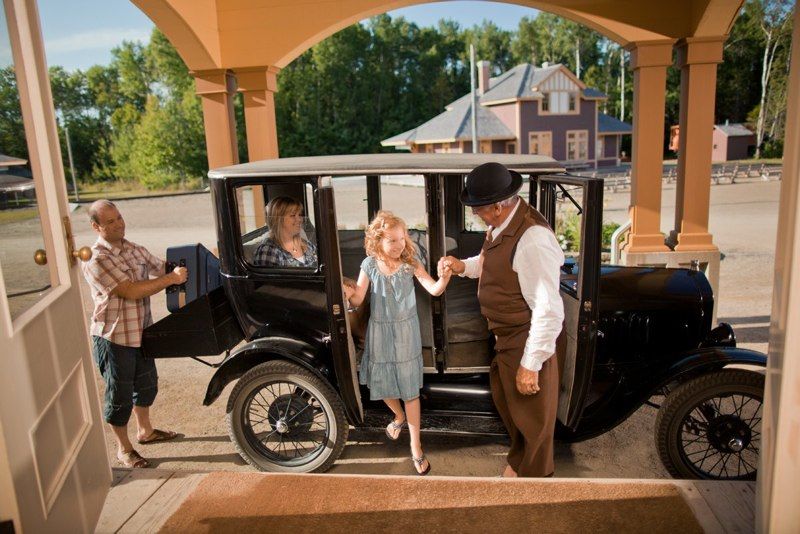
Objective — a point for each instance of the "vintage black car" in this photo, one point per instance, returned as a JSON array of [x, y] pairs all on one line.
[[634, 335]]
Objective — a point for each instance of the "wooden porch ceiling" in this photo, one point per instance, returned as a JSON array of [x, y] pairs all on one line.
[[227, 34]]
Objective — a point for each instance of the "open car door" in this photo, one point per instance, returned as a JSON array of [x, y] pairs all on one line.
[[342, 348], [573, 205]]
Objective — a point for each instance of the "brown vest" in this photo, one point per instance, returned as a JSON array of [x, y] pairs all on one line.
[[499, 294]]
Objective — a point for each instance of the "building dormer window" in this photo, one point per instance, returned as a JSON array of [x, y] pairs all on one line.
[[559, 102]]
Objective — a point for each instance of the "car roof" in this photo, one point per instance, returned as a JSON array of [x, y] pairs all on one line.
[[349, 165]]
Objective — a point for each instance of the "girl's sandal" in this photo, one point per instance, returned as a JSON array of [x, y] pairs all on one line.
[[133, 459], [393, 430], [418, 463]]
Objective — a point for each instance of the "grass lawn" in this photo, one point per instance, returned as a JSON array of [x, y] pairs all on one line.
[[17, 215]]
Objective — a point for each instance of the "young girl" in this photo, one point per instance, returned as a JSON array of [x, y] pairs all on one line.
[[392, 362]]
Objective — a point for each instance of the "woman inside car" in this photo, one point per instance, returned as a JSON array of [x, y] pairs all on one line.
[[285, 244]]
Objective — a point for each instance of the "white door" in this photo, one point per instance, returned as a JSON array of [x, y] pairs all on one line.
[[54, 471]]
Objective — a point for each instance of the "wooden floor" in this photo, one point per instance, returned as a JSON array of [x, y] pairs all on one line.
[[141, 500]]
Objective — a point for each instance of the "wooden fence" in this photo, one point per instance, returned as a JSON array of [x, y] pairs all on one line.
[[720, 174]]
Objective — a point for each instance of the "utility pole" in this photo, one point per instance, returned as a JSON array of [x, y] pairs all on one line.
[[71, 165], [474, 99], [621, 84]]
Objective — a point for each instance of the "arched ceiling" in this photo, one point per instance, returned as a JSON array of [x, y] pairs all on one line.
[[215, 34]]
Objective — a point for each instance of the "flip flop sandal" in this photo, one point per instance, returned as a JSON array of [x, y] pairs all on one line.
[[393, 427], [133, 460], [158, 435], [418, 462]]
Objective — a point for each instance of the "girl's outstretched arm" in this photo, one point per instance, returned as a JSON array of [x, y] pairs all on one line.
[[434, 287], [356, 297]]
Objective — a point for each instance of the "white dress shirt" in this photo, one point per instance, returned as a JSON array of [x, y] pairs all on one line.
[[537, 262]]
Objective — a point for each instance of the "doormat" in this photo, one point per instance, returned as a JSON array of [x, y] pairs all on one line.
[[259, 502]]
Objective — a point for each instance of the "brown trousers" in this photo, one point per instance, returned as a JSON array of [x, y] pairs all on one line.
[[529, 419]]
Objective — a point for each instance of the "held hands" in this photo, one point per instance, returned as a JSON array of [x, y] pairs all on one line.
[[179, 275], [449, 265], [527, 381]]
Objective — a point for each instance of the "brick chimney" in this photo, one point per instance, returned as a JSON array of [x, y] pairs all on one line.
[[484, 72]]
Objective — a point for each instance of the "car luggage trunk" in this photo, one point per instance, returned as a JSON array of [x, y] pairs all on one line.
[[206, 326]]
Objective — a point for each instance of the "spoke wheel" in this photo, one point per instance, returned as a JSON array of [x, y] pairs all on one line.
[[710, 426], [283, 418]]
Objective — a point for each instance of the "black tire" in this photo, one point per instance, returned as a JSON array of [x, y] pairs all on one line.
[[710, 426], [270, 403]]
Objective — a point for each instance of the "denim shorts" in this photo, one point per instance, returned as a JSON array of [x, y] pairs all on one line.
[[131, 379]]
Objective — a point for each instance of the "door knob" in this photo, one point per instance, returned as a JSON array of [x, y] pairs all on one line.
[[84, 254], [40, 257]]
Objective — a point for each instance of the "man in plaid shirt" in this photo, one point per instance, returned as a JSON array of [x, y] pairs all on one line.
[[122, 276]]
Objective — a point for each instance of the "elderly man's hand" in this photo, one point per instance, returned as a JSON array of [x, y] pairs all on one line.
[[455, 265], [527, 381]]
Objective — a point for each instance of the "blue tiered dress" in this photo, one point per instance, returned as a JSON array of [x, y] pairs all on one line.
[[391, 365]]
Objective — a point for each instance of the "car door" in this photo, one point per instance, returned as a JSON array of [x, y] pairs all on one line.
[[342, 348], [573, 206]]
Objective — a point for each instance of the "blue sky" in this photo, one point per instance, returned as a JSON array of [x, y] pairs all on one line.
[[81, 33]]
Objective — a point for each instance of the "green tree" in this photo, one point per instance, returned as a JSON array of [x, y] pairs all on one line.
[[12, 138], [491, 44]]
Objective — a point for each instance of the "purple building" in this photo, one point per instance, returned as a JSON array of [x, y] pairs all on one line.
[[526, 110]]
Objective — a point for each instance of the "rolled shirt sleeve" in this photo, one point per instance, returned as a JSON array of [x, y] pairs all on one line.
[[103, 274], [538, 262], [157, 265]]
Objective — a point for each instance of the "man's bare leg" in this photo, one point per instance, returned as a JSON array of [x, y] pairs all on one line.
[[143, 424], [124, 444]]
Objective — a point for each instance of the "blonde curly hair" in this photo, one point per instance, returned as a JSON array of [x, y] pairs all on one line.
[[386, 220]]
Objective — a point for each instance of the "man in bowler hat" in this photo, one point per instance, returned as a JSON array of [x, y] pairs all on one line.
[[518, 270]]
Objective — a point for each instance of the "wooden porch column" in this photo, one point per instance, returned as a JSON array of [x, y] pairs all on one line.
[[217, 89], [697, 59], [258, 86], [649, 61], [779, 461]]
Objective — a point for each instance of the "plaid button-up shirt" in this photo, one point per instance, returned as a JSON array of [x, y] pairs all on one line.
[[119, 320], [271, 254]]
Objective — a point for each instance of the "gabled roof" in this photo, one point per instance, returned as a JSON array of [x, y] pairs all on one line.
[[454, 124], [10, 183], [9, 161], [606, 124], [520, 82], [734, 130]]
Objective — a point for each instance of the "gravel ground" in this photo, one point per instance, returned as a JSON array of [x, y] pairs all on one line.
[[743, 220]]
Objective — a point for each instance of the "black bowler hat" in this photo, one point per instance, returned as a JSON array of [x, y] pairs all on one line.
[[490, 183]]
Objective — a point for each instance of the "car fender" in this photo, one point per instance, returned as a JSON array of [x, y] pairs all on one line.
[[711, 359], [630, 397], [263, 350]]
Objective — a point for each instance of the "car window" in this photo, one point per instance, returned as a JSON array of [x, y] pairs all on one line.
[[277, 226], [350, 196], [568, 226], [404, 195]]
